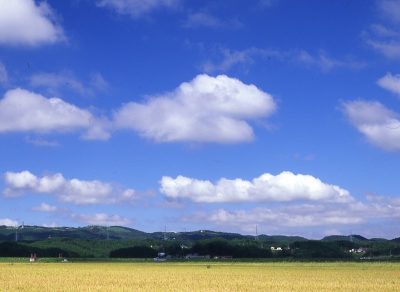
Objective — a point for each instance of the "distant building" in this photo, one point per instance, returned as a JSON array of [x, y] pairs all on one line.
[[358, 250], [33, 258], [273, 248], [161, 257]]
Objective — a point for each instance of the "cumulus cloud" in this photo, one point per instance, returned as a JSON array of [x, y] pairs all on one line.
[[23, 22], [283, 187], [102, 219], [44, 207], [8, 222], [390, 82], [378, 124], [206, 109], [137, 8], [73, 191], [24, 111]]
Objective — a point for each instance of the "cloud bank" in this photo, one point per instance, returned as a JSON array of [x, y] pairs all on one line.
[[291, 217], [73, 191], [283, 187]]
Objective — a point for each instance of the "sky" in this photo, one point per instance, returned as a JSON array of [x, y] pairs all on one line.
[[190, 115]]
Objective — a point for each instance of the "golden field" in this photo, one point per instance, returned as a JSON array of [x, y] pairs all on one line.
[[199, 277]]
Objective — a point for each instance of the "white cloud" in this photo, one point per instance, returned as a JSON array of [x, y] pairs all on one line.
[[389, 48], [43, 207], [299, 216], [102, 219], [8, 222], [24, 111], [283, 187], [27, 23], [71, 191], [3, 74], [137, 8], [390, 82], [99, 129], [380, 125], [206, 109]]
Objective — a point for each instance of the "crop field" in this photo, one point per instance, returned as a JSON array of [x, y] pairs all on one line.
[[199, 277]]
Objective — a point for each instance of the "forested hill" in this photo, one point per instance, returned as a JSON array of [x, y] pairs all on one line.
[[34, 233], [116, 241]]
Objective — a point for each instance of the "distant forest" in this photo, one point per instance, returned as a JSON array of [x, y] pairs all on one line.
[[121, 242]]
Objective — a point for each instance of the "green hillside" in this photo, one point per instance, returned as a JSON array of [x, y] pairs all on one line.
[[116, 241]]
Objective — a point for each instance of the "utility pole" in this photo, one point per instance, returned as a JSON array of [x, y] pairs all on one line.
[[16, 230]]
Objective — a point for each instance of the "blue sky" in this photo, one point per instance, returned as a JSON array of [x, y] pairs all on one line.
[[216, 115]]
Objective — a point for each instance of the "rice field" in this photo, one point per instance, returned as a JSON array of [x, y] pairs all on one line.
[[199, 277]]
